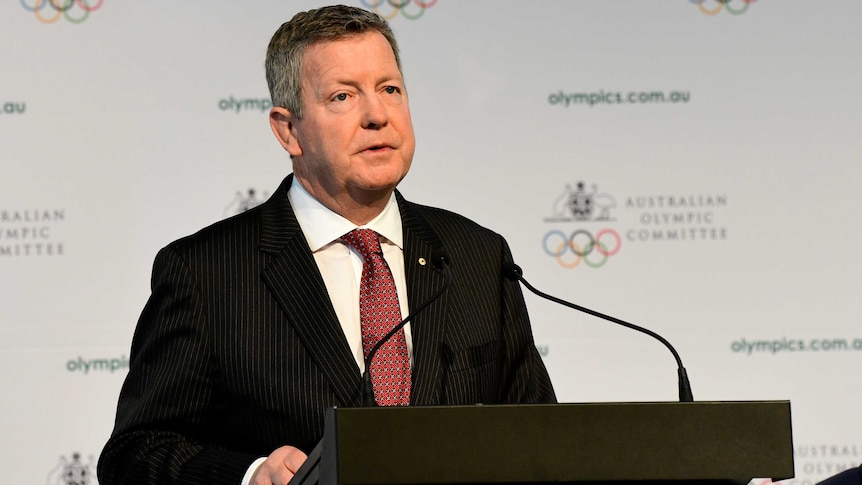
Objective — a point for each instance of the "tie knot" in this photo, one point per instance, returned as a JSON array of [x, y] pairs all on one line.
[[366, 241]]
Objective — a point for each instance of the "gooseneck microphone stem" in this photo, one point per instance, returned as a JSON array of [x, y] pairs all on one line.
[[514, 273], [440, 261]]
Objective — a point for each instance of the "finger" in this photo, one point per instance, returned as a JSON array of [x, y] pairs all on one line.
[[282, 477], [294, 460]]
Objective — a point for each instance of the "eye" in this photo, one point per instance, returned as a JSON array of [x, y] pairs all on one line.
[[391, 89], [340, 97]]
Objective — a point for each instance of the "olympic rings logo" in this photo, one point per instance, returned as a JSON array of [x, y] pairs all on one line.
[[723, 5], [62, 8], [581, 244], [402, 6]]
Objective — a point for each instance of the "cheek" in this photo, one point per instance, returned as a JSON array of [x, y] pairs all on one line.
[[405, 115], [408, 149], [410, 144], [330, 139], [406, 128], [338, 134]]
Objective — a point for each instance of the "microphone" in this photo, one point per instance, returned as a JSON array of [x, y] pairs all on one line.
[[440, 260], [513, 272]]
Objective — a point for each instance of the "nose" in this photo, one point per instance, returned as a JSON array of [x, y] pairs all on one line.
[[374, 115]]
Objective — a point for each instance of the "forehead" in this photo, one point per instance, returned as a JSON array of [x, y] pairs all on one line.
[[368, 51]]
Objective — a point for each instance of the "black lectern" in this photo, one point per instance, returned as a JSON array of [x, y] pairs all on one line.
[[696, 442]]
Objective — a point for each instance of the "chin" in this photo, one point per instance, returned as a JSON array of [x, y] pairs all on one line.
[[378, 187], [382, 179]]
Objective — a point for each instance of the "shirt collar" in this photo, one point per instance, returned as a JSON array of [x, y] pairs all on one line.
[[322, 227]]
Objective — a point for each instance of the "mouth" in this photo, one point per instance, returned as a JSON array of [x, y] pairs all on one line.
[[376, 149]]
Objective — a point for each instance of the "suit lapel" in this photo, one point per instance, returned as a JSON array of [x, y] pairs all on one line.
[[295, 281], [423, 280]]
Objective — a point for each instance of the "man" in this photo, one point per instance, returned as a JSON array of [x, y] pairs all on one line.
[[257, 324]]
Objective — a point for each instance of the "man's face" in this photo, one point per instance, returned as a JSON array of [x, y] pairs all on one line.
[[355, 140]]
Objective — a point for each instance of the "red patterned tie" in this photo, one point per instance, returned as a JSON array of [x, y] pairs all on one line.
[[379, 312]]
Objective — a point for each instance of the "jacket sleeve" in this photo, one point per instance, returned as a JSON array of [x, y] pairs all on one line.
[[160, 434]]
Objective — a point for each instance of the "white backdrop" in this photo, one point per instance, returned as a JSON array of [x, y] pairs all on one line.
[[717, 146]]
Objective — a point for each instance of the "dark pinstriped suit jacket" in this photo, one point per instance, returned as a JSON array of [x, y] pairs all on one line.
[[239, 350]]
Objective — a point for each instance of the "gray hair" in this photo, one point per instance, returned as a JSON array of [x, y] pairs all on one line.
[[289, 43]]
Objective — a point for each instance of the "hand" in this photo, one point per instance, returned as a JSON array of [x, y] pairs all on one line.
[[279, 467]]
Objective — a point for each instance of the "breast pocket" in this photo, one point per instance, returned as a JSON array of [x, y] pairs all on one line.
[[472, 375]]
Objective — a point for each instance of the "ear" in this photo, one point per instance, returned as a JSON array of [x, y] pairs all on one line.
[[283, 127]]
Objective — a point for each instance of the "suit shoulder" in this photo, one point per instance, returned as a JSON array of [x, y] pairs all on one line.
[[449, 224], [234, 231]]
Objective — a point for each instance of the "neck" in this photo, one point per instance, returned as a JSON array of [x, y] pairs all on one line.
[[357, 206], [358, 213]]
